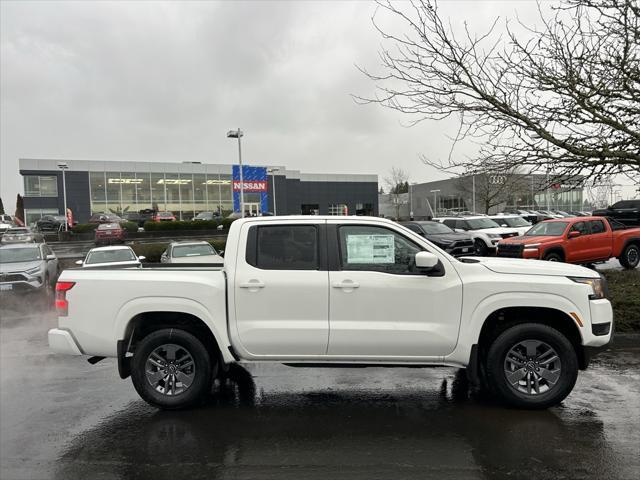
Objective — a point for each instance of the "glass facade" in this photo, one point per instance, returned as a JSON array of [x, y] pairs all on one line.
[[183, 194], [40, 186]]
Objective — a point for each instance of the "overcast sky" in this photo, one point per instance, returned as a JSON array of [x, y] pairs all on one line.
[[165, 81]]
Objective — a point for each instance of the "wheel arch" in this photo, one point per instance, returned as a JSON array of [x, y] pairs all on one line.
[[503, 318], [554, 249]]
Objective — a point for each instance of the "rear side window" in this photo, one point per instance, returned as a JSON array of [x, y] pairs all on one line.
[[597, 226], [284, 247]]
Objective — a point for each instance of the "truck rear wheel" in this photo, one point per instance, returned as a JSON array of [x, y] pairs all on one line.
[[171, 369], [630, 256], [532, 366]]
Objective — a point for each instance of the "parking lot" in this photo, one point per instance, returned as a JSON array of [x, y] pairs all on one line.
[[64, 418]]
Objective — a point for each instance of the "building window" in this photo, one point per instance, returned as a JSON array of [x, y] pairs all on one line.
[[98, 192], [40, 186], [338, 209], [364, 209], [310, 209], [32, 215]]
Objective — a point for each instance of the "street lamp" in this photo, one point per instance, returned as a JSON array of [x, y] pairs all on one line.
[[238, 134], [435, 201], [411, 199], [273, 181], [64, 167]]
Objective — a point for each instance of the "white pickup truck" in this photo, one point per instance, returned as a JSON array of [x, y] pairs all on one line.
[[323, 291]]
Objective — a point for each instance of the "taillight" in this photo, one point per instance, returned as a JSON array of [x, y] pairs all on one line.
[[62, 305]]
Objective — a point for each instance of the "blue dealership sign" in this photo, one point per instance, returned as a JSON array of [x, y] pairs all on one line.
[[255, 181]]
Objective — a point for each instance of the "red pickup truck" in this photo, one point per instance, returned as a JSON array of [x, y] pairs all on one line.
[[581, 240]]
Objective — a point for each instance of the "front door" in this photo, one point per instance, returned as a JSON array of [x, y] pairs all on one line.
[[381, 305], [281, 290], [578, 247]]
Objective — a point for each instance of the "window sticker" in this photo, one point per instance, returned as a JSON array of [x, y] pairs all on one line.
[[370, 249]]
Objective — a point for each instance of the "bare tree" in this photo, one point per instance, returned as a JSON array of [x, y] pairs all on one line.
[[395, 184], [563, 98]]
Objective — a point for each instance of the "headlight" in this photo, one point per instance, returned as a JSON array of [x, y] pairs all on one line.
[[494, 235], [598, 285], [33, 271], [532, 246]]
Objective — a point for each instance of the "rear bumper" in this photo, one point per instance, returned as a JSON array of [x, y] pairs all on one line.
[[61, 341]]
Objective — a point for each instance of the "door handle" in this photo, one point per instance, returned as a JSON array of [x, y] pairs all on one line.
[[252, 284], [345, 284]]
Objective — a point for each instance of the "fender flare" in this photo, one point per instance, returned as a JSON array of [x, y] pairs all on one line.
[[142, 305], [554, 248]]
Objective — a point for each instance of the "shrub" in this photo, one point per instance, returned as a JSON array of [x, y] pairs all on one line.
[[130, 227], [623, 292], [150, 226], [84, 227]]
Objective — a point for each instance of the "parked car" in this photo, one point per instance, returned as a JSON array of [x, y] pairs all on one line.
[[516, 222], [109, 233], [624, 211], [50, 223], [164, 217], [121, 256], [328, 291], [582, 240], [104, 218], [456, 244], [6, 222], [138, 217], [486, 233], [28, 268], [528, 215], [207, 216], [550, 214], [20, 235], [191, 252]]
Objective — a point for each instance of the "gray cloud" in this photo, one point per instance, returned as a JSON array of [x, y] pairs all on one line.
[[165, 81]]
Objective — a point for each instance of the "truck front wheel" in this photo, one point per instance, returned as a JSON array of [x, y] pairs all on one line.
[[630, 256], [171, 369], [532, 366]]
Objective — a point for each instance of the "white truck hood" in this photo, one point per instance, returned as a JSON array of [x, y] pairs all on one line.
[[535, 267]]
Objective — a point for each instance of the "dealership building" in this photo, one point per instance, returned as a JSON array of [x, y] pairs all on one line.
[[189, 188]]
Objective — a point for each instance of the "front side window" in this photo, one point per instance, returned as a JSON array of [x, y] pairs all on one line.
[[376, 249], [287, 247], [451, 223], [581, 227]]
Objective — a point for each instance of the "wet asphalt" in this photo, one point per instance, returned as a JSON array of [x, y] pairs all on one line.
[[62, 418]]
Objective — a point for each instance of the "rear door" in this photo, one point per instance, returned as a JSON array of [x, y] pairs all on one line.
[[380, 305], [281, 289], [600, 240]]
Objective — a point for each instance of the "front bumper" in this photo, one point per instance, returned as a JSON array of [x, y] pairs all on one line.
[[61, 341]]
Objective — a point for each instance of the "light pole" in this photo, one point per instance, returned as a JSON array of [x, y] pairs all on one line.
[[238, 134], [273, 181], [411, 200], [435, 201], [64, 167]]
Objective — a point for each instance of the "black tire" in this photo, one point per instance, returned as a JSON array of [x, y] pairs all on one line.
[[481, 247], [202, 361], [553, 257], [512, 338], [630, 257]]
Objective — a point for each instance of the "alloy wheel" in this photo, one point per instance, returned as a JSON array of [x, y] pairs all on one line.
[[170, 369], [532, 367]]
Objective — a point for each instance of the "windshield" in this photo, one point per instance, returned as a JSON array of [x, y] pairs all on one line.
[[193, 250], [553, 229], [14, 255], [435, 228], [109, 256], [478, 223], [516, 222]]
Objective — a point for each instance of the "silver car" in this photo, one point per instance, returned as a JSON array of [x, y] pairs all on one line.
[[21, 235], [191, 252], [28, 268]]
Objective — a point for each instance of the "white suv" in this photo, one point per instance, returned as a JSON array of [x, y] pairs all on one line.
[[486, 233]]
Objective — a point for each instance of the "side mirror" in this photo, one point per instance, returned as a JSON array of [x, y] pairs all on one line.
[[142, 257], [574, 234], [221, 253], [79, 262], [426, 260], [50, 257]]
